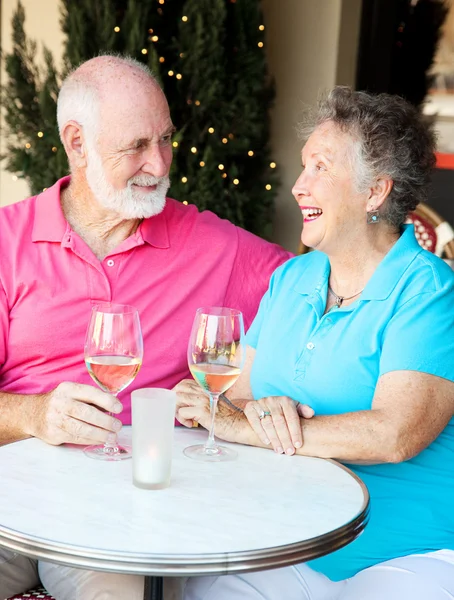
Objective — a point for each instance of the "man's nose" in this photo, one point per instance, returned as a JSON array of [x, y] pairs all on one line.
[[156, 162]]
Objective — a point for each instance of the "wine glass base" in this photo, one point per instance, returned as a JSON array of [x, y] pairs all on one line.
[[216, 454], [110, 454]]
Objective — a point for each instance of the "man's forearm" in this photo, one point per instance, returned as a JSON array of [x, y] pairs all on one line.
[[15, 416]]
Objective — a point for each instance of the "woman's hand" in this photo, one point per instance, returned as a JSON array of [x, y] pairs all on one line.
[[276, 420], [193, 405]]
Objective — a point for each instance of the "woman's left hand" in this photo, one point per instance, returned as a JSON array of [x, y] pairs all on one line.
[[276, 420], [193, 405]]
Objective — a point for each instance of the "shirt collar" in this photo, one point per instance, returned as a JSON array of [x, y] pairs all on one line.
[[385, 277], [50, 224], [393, 266], [154, 231]]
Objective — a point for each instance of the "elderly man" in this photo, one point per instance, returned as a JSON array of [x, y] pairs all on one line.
[[107, 233]]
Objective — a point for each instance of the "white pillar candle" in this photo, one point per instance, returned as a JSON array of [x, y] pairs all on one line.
[[153, 414]]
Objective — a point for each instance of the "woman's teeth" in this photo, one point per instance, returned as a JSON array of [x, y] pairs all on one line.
[[309, 214]]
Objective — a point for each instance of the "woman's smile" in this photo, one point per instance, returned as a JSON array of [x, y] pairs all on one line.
[[310, 213]]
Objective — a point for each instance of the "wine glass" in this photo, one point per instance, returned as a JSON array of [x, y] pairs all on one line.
[[113, 356], [216, 353]]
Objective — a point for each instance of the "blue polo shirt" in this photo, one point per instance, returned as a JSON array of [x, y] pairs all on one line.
[[403, 320]]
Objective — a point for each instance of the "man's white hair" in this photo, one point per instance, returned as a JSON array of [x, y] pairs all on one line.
[[78, 99]]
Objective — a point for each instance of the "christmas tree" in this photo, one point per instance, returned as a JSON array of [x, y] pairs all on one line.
[[209, 57]]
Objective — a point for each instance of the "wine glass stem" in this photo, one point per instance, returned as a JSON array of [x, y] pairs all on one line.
[[111, 447], [210, 443]]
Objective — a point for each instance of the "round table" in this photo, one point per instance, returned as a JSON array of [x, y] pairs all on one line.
[[261, 511]]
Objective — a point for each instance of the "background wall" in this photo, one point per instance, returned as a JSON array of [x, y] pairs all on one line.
[[311, 46], [42, 24]]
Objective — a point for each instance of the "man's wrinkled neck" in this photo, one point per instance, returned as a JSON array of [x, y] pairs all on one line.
[[101, 229]]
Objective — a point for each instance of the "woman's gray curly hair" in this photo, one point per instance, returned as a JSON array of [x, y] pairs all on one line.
[[392, 139]]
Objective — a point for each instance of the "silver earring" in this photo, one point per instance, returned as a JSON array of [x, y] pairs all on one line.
[[373, 216]]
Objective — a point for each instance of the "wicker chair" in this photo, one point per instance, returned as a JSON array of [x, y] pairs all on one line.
[[31, 594], [432, 232]]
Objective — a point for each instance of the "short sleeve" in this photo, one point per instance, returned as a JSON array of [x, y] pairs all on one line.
[[253, 333], [254, 263], [420, 336], [4, 325]]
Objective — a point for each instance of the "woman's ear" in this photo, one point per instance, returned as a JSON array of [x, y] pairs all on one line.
[[379, 192], [73, 140]]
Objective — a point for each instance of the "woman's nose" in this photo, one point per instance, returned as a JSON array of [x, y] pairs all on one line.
[[300, 188]]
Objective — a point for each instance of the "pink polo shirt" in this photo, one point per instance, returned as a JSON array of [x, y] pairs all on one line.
[[174, 263]]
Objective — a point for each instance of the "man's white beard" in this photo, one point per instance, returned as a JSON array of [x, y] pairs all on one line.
[[130, 203]]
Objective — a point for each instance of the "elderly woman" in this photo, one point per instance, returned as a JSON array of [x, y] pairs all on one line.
[[351, 357]]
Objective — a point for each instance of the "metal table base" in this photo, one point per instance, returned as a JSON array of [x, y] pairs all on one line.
[[154, 588]]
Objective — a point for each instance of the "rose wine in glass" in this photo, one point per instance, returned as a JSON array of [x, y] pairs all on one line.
[[113, 356], [216, 353]]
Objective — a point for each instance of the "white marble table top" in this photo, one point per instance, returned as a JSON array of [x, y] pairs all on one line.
[[262, 510]]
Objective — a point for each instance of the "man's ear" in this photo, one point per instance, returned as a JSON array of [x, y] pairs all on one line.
[[379, 192], [74, 142]]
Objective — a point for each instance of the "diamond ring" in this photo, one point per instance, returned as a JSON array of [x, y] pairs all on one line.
[[264, 413]]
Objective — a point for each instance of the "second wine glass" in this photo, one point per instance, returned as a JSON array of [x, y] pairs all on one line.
[[113, 356], [216, 353]]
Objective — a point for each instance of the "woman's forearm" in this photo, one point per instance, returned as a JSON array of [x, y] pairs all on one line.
[[363, 437]]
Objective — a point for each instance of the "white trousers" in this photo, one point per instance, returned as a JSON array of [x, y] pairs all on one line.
[[416, 577], [19, 574]]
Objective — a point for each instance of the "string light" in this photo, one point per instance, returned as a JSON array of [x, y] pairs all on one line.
[[54, 148], [181, 54], [184, 180], [40, 134], [14, 177], [224, 140], [144, 51], [273, 165], [28, 145], [179, 76], [193, 149], [161, 1], [221, 167], [201, 163], [250, 153], [268, 187], [170, 73], [116, 29], [260, 44], [44, 189], [154, 38], [224, 175], [175, 144], [231, 136], [262, 27], [184, 18], [210, 129], [185, 202], [150, 31], [162, 59], [236, 181], [197, 102]]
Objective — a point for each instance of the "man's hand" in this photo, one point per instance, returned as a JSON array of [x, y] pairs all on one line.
[[276, 420], [74, 413]]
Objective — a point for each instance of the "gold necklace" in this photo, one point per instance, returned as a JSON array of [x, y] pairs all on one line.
[[338, 300]]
